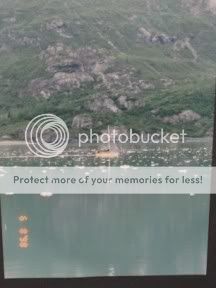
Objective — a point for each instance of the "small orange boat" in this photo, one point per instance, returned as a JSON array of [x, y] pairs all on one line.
[[107, 154]]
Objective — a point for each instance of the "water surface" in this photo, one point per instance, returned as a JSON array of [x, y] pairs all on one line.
[[108, 235]]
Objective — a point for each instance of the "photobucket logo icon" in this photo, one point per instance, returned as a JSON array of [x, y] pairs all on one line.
[[47, 136]]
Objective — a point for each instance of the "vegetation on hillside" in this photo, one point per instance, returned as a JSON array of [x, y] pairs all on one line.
[[163, 49]]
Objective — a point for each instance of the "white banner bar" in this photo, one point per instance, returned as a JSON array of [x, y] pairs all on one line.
[[107, 180]]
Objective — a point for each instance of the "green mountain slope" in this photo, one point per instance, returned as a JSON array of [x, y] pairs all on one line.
[[141, 64]]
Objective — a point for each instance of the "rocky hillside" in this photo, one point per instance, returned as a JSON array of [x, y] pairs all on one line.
[[143, 64]]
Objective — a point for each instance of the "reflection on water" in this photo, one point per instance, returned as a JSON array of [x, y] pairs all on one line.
[[108, 235], [79, 236]]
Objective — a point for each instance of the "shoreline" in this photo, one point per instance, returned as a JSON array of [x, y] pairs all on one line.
[[22, 142], [11, 142]]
